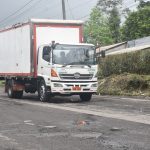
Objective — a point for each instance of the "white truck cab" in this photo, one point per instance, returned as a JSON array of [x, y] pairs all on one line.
[[67, 69]]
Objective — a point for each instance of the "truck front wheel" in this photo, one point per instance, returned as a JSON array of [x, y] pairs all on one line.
[[42, 92], [86, 97]]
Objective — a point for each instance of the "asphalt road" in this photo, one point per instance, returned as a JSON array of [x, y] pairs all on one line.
[[105, 123]]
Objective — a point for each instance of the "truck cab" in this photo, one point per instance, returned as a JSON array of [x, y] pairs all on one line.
[[67, 69]]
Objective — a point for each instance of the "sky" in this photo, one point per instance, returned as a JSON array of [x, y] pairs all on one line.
[[16, 11]]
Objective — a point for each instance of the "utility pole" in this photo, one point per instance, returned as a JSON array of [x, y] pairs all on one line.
[[63, 10]]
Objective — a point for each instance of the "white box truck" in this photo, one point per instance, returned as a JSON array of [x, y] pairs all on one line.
[[48, 57]]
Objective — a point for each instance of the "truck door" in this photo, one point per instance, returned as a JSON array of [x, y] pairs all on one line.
[[44, 61]]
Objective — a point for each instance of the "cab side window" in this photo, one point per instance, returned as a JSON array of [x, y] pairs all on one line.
[[46, 53]]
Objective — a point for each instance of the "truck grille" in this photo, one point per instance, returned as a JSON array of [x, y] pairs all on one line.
[[73, 77]]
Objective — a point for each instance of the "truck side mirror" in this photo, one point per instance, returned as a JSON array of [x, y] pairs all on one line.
[[95, 60], [46, 53], [53, 45], [103, 54]]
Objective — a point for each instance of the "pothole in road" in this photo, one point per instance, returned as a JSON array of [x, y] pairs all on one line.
[[116, 129], [81, 135], [86, 135], [48, 129]]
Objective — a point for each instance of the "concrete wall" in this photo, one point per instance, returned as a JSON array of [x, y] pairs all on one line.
[[139, 42], [117, 48]]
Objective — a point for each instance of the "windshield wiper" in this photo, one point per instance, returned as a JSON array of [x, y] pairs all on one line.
[[73, 63], [85, 64], [77, 63]]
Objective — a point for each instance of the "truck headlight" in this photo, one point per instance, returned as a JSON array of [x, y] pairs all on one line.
[[53, 73], [94, 85], [57, 85]]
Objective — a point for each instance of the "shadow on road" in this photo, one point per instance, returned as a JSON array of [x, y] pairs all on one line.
[[57, 99]]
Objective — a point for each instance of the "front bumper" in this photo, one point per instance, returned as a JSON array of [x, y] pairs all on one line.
[[74, 87]]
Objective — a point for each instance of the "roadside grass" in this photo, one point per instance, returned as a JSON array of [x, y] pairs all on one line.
[[137, 62], [125, 84], [2, 82]]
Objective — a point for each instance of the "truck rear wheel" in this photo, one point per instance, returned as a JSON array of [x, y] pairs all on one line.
[[11, 93], [42, 92], [86, 97], [19, 94]]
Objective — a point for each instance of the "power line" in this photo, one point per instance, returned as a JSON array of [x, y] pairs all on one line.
[[6, 18], [134, 4], [25, 11], [80, 4], [128, 2], [77, 6], [87, 15], [45, 9]]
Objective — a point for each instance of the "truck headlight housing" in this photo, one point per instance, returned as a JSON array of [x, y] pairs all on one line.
[[95, 76], [57, 85], [94, 85], [53, 73]]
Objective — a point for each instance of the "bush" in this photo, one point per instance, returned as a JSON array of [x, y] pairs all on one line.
[[134, 62], [137, 83], [2, 83]]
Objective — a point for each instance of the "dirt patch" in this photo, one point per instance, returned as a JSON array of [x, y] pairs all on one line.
[[125, 84]]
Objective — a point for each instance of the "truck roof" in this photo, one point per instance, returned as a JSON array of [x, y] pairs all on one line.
[[79, 22], [43, 21], [78, 44]]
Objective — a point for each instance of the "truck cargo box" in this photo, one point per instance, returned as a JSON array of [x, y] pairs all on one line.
[[19, 43]]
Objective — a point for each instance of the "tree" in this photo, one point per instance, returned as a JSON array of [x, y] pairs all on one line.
[[107, 5], [137, 24], [143, 4], [111, 10], [114, 24], [96, 29]]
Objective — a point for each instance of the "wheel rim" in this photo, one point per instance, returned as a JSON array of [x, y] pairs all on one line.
[[42, 92], [9, 91]]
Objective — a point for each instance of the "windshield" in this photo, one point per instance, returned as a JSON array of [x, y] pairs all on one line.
[[73, 55]]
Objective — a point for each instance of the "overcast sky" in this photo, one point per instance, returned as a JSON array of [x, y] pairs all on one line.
[[12, 11]]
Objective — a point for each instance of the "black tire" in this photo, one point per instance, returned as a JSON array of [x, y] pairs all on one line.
[[42, 91], [86, 97], [18, 94], [10, 92]]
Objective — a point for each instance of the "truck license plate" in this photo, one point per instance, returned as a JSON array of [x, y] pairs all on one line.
[[76, 88]]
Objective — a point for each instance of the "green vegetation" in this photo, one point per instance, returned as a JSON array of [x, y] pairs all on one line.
[[104, 28], [125, 84], [1, 82], [114, 24], [107, 5], [113, 10], [96, 29], [137, 24], [137, 62], [125, 74]]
